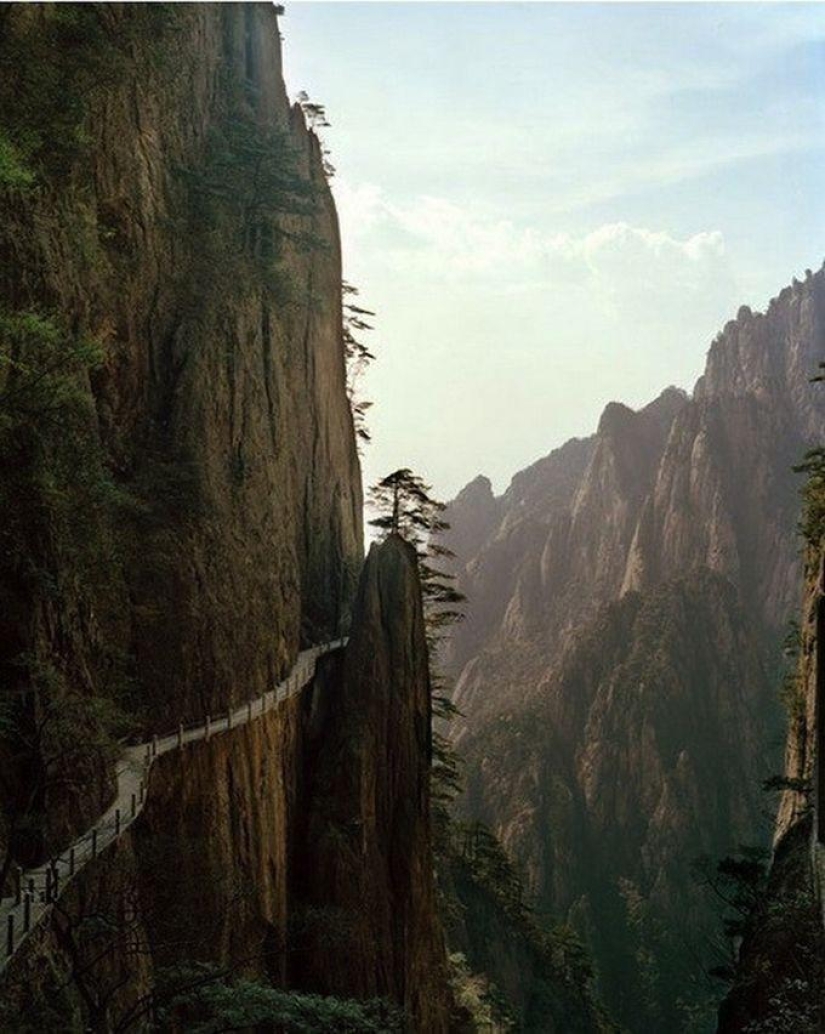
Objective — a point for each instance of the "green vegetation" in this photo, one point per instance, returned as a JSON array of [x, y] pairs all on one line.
[[13, 173], [468, 855], [57, 493], [59, 505], [487, 897], [58, 743], [209, 1006], [778, 975], [738, 882], [812, 524], [316, 118], [357, 356], [475, 994], [65, 57], [480, 851], [404, 506], [61, 57], [248, 201]]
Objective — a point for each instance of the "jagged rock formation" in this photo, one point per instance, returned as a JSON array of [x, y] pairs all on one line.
[[626, 600], [609, 783], [779, 974], [367, 777]]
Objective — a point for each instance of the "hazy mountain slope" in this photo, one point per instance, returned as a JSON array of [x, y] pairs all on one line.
[[685, 510], [622, 769]]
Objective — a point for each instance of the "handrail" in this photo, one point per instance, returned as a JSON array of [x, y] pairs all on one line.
[[37, 889]]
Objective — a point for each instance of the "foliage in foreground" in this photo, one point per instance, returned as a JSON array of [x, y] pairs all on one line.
[[242, 1004]]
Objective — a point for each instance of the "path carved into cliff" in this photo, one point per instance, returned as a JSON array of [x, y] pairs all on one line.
[[39, 888]]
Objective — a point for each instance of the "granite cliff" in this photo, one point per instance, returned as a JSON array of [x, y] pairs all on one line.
[[626, 602], [181, 512], [778, 975]]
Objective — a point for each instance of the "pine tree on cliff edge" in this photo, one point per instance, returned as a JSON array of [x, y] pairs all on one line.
[[404, 507]]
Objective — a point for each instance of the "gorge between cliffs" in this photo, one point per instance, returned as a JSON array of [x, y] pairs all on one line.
[[283, 752]]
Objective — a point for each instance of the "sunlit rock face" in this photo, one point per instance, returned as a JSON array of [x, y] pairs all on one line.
[[624, 612]]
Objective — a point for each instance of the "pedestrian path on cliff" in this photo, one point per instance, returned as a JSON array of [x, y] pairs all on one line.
[[38, 889]]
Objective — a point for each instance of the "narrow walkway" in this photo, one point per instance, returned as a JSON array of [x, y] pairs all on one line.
[[38, 888]]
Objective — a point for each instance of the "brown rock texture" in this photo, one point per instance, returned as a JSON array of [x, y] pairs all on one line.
[[779, 973], [180, 217], [219, 412], [625, 610], [367, 827]]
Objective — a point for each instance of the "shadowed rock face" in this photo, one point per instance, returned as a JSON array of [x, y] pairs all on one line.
[[220, 407], [367, 783], [682, 513], [621, 772], [779, 974], [219, 411]]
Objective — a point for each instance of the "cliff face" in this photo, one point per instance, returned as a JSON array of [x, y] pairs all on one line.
[[611, 782], [367, 780], [294, 851], [779, 974], [184, 512], [179, 219], [624, 610]]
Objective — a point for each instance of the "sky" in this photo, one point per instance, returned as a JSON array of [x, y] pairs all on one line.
[[552, 206]]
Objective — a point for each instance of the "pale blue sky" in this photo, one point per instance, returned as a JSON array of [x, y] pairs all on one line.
[[555, 205]]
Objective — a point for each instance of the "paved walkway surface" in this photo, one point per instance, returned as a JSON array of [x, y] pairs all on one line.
[[39, 888]]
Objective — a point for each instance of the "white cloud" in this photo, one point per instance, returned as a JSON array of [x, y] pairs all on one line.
[[622, 269]]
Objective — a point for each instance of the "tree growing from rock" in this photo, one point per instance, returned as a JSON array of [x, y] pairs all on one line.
[[405, 506], [358, 356]]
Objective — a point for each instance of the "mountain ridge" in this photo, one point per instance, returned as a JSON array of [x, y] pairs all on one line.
[[693, 487]]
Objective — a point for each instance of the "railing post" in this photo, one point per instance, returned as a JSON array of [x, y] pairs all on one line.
[[180, 735], [134, 805], [154, 746], [229, 718], [71, 861], [10, 935], [27, 912], [148, 753], [18, 885], [208, 726], [55, 881], [48, 889], [94, 843], [249, 709], [117, 822]]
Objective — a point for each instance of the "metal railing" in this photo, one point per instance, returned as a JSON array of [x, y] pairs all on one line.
[[36, 890]]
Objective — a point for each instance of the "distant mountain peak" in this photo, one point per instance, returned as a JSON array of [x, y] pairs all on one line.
[[479, 490]]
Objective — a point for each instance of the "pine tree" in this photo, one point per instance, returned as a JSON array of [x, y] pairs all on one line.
[[405, 507], [357, 356]]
